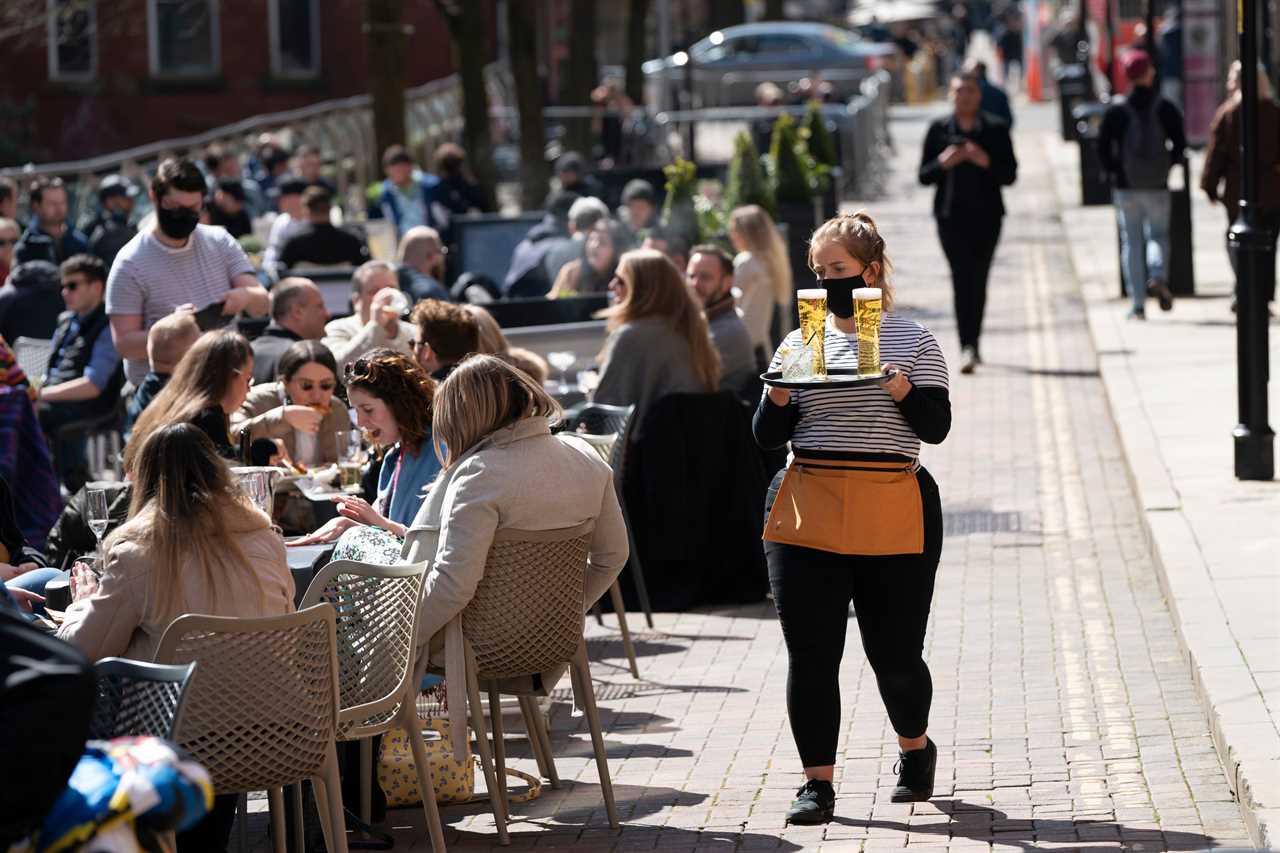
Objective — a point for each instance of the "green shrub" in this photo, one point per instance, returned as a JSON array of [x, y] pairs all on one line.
[[821, 144], [678, 209], [747, 182], [787, 156]]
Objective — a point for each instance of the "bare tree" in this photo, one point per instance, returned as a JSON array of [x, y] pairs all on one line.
[[637, 15], [382, 24], [581, 74], [467, 31], [523, 25]]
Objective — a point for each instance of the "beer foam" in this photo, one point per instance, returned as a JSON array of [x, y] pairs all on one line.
[[811, 293], [866, 293]]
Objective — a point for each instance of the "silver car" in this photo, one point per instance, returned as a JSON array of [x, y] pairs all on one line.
[[725, 68]]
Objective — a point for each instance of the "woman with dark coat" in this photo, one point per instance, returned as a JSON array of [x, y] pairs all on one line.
[[968, 156]]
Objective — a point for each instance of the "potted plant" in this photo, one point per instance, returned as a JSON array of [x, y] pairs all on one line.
[[822, 148], [747, 182], [679, 212], [793, 192]]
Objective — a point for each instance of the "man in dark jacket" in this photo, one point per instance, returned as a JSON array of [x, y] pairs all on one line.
[[320, 241], [297, 314], [114, 225], [1140, 138], [527, 275], [969, 157], [49, 237], [84, 376], [31, 302]]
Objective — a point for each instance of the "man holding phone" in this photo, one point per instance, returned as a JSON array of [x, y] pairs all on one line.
[[177, 262]]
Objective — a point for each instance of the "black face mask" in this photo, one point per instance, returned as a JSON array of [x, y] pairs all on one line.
[[177, 223], [840, 294]]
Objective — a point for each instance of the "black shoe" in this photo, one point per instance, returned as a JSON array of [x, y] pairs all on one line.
[[1160, 290], [968, 359], [815, 803], [915, 774]]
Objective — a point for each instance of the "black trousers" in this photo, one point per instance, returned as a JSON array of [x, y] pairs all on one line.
[[970, 246], [812, 591]]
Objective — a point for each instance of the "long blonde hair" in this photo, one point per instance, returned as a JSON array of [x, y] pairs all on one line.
[[482, 395], [857, 233], [199, 382], [188, 515], [758, 231], [655, 288]]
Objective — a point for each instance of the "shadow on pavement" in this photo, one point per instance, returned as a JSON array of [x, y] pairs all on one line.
[[984, 823]]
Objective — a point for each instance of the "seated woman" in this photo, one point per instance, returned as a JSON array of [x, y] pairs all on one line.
[[658, 340], [504, 468], [494, 342], [210, 382], [590, 273], [392, 397], [193, 544], [298, 410]]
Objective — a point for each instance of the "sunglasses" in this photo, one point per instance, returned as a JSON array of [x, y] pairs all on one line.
[[358, 369], [6, 243], [72, 284]]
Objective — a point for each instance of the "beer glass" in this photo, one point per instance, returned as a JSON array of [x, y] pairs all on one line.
[[812, 304], [866, 320], [350, 459]]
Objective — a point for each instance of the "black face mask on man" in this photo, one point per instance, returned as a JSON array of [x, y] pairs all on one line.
[[177, 222], [840, 294]]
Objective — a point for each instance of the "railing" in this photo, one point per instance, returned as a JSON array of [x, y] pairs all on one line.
[[342, 128], [861, 129]]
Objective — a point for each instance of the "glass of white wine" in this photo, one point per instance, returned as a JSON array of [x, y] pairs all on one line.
[[99, 519], [350, 459], [562, 361]]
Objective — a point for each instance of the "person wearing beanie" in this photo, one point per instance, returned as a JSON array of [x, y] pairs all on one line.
[[1141, 137]]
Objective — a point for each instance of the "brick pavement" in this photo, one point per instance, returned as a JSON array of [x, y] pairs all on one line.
[[1064, 714]]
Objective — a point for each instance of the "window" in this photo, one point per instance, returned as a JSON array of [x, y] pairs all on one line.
[[295, 37], [73, 39], [774, 44], [183, 38]]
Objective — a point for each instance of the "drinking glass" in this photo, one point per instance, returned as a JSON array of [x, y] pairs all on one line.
[[96, 505], [256, 485], [562, 361], [588, 382], [350, 458]]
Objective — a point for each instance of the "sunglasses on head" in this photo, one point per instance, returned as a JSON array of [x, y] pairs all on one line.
[[358, 369]]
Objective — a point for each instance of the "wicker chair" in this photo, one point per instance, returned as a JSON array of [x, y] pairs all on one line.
[[377, 626], [602, 420], [264, 711], [526, 618], [136, 699]]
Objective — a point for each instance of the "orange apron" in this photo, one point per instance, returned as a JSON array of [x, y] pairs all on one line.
[[851, 507]]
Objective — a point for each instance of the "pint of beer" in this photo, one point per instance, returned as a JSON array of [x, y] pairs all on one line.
[[866, 319], [812, 304]]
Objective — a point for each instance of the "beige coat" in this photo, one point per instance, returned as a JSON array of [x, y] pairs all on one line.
[[521, 477], [113, 621], [262, 412]]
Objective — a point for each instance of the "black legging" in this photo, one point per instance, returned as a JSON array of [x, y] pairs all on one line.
[[970, 246], [891, 595]]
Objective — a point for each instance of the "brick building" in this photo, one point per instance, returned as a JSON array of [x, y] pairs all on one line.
[[86, 77]]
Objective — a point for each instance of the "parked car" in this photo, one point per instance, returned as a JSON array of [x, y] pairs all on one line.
[[727, 65]]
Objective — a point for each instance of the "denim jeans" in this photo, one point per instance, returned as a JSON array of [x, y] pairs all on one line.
[[1143, 217], [35, 581]]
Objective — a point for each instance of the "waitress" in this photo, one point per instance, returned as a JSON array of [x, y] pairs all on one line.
[[854, 518]]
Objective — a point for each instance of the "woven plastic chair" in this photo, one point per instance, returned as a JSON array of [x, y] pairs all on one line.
[[377, 627], [526, 618], [263, 712], [602, 420], [32, 355], [136, 699]]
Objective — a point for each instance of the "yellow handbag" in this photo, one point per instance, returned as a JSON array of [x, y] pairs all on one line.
[[453, 781]]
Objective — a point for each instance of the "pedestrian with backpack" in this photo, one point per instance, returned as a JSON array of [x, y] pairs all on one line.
[[1140, 139]]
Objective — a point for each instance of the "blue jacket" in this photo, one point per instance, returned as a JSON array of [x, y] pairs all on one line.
[[389, 201], [416, 473], [36, 245]]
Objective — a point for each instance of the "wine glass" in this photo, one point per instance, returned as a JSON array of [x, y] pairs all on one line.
[[562, 361], [255, 485], [96, 508], [350, 459]]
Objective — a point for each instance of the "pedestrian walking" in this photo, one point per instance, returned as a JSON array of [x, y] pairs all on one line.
[[968, 156], [1141, 137], [856, 447], [1222, 163]]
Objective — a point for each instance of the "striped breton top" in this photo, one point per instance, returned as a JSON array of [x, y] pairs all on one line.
[[865, 419]]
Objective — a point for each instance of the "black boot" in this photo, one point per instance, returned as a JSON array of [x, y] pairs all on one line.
[[815, 803], [915, 774]]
